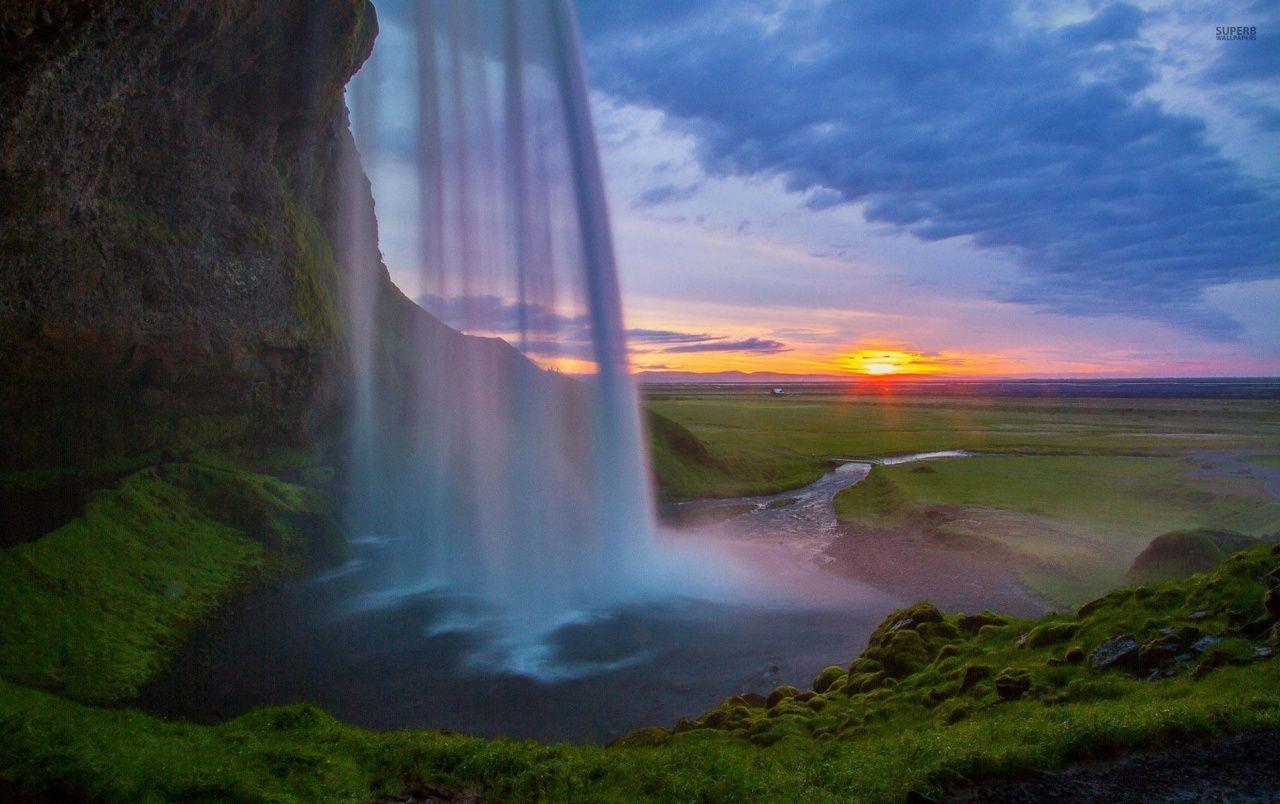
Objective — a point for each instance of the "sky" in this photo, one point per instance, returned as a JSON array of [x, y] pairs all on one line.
[[965, 188], [986, 188]]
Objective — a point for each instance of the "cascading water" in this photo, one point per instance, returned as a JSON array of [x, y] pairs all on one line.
[[521, 487]]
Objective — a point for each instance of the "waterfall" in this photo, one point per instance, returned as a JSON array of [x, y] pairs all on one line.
[[511, 471]]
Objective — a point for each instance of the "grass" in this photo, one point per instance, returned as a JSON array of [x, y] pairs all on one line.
[[1074, 488], [830, 426], [685, 468], [92, 609], [895, 720], [1074, 524]]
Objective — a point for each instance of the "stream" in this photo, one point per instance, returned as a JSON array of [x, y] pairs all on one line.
[[417, 658], [804, 519]]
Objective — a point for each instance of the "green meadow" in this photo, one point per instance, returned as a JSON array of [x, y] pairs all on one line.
[[1070, 490], [935, 701], [832, 426]]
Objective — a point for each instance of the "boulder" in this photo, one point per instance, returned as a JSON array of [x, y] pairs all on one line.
[[1271, 600], [785, 692], [1074, 654], [828, 678], [1119, 652], [1012, 684], [1047, 634], [972, 623], [972, 675], [1160, 651], [1206, 643]]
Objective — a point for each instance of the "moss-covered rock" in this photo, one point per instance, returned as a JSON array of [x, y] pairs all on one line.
[[785, 692], [827, 678], [1045, 634]]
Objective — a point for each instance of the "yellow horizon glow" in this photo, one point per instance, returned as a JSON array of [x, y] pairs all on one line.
[[886, 362]]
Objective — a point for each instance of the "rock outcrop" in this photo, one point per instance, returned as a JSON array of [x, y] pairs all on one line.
[[171, 249]]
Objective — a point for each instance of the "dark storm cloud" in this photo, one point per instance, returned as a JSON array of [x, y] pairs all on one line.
[[954, 119]]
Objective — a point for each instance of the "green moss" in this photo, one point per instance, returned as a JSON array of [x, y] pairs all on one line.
[[315, 272], [827, 678], [873, 741], [92, 609], [1050, 633]]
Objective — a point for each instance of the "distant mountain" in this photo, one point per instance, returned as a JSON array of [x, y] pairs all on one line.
[[665, 377]]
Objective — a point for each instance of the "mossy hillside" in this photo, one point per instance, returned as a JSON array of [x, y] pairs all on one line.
[[93, 609], [935, 701], [1180, 553], [925, 671], [685, 467], [300, 754]]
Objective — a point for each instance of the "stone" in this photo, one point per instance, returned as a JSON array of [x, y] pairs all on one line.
[[1012, 684], [1159, 651], [1205, 643], [972, 675], [972, 623], [1119, 652], [827, 678], [753, 700], [781, 694], [1074, 654], [916, 616], [1271, 600]]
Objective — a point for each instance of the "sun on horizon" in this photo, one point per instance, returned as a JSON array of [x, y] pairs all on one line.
[[888, 362]]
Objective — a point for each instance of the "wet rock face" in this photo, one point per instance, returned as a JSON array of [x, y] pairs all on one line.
[[173, 201]]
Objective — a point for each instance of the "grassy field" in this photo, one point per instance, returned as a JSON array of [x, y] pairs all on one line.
[[935, 701], [1072, 524], [1072, 491], [827, 426]]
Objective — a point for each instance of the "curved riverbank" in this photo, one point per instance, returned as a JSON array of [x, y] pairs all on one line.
[[901, 562]]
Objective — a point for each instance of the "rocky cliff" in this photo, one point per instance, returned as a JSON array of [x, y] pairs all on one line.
[[170, 225]]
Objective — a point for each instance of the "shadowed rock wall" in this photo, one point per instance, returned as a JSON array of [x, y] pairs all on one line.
[[169, 249]]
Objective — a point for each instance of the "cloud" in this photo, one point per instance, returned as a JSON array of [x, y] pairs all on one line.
[[759, 345], [665, 194], [560, 335], [964, 120], [492, 313], [668, 336]]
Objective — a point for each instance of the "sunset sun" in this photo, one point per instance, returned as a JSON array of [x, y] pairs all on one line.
[[886, 362]]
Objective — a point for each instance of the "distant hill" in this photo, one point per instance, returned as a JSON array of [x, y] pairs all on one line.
[[678, 377], [1181, 553]]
